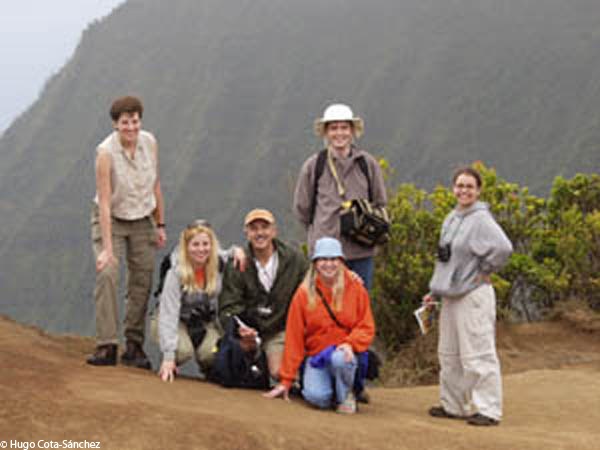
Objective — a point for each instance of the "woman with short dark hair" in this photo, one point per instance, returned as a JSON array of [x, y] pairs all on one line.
[[127, 221]]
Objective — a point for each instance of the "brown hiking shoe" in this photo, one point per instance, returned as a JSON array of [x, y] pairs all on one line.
[[134, 356], [482, 421], [105, 355], [439, 411]]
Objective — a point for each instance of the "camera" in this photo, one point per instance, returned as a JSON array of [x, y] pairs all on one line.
[[196, 329], [444, 252], [203, 312]]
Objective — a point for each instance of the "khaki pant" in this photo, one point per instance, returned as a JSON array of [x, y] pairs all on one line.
[[273, 348], [136, 242], [470, 379], [205, 353]]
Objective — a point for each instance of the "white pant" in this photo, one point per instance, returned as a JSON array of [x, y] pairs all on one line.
[[470, 379]]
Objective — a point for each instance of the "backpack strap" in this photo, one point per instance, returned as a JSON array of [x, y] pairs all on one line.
[[362, 163], [165, 266], [320, 167]]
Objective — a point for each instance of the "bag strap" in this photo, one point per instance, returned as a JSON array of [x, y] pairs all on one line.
[[340, 186], [331, 314], [442, 237], [320, 168]]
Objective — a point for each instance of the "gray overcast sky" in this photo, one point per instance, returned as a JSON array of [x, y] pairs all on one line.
[[37, 37]]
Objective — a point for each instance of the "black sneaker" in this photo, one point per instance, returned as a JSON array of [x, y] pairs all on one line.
[[295, 390], [105, 355], [482, 421], [363, 397], [134, 356], [439, 411]]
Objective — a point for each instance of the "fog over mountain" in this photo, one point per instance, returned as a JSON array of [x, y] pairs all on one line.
[[231, 90]]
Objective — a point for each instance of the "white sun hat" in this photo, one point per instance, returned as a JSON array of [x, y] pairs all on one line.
[[339, 112]]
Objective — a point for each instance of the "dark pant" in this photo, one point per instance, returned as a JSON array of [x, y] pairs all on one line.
[[364, 268]]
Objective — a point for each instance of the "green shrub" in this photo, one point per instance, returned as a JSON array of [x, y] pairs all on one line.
[[556, 250]]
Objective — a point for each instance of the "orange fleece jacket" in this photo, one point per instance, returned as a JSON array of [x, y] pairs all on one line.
[[308, 331]]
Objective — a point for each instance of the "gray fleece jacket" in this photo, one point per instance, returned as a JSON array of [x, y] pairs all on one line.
[[478, 247]]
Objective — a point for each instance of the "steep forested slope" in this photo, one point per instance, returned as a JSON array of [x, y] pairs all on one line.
[[231, 89]]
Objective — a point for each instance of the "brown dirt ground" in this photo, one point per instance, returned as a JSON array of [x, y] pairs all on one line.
[[551, 396]]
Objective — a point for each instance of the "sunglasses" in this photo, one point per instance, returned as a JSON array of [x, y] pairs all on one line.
[[198, 223]]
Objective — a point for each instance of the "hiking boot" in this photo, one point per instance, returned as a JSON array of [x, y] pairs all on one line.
[[482, 421], [363, 397], [348, 406], [105, 355], [439, 411], [295, 389], [134, 356]]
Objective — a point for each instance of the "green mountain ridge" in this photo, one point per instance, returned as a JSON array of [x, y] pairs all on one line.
[[231, 90]]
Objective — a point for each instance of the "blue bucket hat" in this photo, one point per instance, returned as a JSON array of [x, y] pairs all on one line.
[[327, 248]]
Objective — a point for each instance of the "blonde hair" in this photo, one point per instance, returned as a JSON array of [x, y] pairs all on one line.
[[186, 270], [310, 284]]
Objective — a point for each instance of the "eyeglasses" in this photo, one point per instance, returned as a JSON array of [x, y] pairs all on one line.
[[465, 186]]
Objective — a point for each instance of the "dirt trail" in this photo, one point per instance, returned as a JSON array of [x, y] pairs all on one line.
[[48, 393]]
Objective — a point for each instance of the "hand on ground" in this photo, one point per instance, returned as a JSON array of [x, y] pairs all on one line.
[[167, 371], [277, 391]]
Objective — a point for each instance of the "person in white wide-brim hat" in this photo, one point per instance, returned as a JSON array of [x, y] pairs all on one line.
[[347, 173], [339, 112]]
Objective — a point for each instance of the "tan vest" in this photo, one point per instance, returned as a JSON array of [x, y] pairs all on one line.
[[132, 180]]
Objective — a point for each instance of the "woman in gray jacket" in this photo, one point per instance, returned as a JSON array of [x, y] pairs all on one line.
[[472, 246], [187, 324]]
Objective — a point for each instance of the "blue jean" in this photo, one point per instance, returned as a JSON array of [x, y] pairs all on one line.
[[318, 384], [364, 268]]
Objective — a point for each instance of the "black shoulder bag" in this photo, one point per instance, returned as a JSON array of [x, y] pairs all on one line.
[[360, 220], [234, 367]]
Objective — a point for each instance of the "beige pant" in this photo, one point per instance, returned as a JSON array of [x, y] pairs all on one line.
[[273, 348], [470, 379], [136, 242], [205, 353]]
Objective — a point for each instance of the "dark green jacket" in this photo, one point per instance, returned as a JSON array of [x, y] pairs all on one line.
[[243, 292]]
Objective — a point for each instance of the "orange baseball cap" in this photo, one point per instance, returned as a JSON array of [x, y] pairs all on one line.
[[259, 214]]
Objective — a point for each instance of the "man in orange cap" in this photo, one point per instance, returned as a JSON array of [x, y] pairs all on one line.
[[260, 295]]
